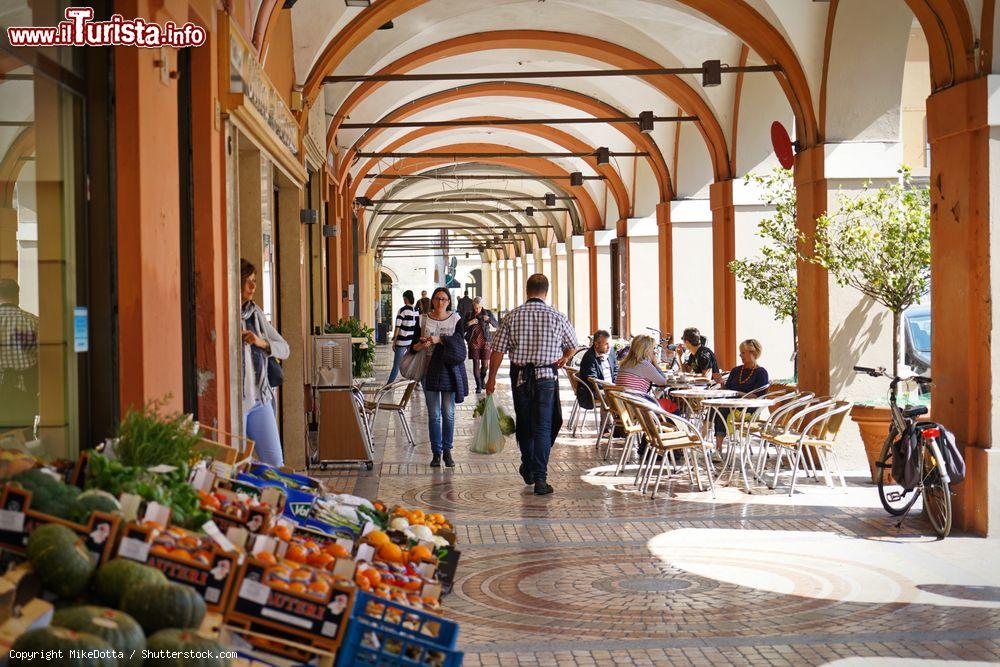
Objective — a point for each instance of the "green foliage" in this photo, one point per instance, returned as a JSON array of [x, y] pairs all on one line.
[[879, 243], [363, 358], [147, 438]]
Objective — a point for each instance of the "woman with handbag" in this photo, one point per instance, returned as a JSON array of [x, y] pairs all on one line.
[[442, 338], [478, 336], [262, 347]]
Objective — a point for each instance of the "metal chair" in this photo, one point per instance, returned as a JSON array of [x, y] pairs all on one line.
[[578, 413], [383, 400], [629, 424], [609, 419], [818, 434], [669, 433]]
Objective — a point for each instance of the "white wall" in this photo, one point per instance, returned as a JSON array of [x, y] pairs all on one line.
[[581, 288], [644, 283], [692, 254], [604, 287]]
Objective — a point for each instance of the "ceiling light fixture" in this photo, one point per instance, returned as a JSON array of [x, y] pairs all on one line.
[[387, 26], [711, 74], [358, 3], [550, 199], [530, 211], [603, 155], [576, 179], [646, 122]]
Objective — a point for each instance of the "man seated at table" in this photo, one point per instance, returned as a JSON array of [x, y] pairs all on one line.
[[598, 363], [745, 378]]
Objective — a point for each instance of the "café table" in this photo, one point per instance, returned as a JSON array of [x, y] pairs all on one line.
[[744, 412], [693, 398]]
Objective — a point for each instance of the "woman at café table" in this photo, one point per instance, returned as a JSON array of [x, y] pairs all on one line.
[[747, 377], [701, 360]]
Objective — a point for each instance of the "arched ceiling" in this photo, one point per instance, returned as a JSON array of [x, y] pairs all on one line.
[[489, 36]]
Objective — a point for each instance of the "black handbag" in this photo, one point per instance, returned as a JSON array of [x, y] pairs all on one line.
[[275, 374]]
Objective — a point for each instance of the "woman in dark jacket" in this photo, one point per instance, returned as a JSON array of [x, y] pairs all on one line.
[[479, 337], [701, 360], [445, 383]]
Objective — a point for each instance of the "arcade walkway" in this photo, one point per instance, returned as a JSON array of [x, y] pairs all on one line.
[[597, 575]]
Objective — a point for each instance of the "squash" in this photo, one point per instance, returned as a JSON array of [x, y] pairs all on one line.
[[119, 630], [117, 576], [60, 560], [94, 500], [160, 606], [175, 640], [62, 639]]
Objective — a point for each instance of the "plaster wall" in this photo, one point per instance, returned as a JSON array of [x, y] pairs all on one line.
[[604, 287], [692, 257], [581, 289], [644, 284], [761, 103]]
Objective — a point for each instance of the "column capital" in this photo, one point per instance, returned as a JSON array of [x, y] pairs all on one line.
[[720, 194], [961, 108], [810, 166]]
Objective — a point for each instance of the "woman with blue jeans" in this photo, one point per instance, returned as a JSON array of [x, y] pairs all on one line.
[[260, 341], [442, 335]]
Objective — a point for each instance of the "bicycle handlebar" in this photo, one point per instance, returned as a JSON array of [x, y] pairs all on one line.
[[880, 372]]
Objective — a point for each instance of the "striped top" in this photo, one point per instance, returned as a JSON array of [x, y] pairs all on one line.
[[640, 378], [407, 320]]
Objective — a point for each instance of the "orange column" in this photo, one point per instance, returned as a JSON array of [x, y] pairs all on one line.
[[813, 281], [148, 212], [592, 272], [961, 292], [211, 279], [666, 266], [334, 286], [724, 282], [624, 280], [347, 259]]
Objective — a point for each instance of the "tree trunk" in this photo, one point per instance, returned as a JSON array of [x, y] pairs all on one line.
[[895, 342]]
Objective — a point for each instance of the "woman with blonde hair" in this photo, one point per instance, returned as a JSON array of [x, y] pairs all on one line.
[[638, 370], [745, 378]]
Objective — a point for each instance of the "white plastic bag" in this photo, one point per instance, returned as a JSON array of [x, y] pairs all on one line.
[[489, 438]]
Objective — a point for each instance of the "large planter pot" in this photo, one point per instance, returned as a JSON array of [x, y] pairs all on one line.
[[873, 422]]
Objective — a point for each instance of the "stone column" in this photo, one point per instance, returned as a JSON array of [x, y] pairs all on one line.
[[724, 282], [813, 281], [965, 212]]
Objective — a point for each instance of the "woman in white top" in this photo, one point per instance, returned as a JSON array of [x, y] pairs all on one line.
[[260, 342], [444, 382]]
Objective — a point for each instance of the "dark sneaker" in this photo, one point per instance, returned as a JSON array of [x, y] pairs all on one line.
[[542, 488], [448, 461], [436, 461], [528, 478]]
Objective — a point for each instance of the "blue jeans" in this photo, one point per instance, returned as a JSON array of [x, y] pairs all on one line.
[[440, 419], [539, 418], [397, 356], [260, 426]]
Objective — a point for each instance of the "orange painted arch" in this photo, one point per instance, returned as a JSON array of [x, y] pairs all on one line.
[[569, 98], [671, 86], [12, 163], [531, 165], [567, 141]]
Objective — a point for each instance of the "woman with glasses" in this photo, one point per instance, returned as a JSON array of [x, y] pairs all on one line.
[[444, 382]]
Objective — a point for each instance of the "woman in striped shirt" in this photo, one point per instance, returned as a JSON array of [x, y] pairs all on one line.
[[638, 370]]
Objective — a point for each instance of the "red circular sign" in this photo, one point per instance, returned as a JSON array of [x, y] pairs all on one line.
[[782, 145]]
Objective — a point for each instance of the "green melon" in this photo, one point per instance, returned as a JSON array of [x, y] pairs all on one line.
[[54, 639], [162, 606], [117, 576], [119, 630], [175, 640], [94, 500], [60, 560]]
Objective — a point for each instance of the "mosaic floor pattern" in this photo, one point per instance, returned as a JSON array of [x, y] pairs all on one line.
[[597, 574]]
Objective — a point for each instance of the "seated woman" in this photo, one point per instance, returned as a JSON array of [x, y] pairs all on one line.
[[745, 378], [638, 370], [701, 360]]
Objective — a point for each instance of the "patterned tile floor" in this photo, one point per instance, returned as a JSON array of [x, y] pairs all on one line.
[[597, 574]]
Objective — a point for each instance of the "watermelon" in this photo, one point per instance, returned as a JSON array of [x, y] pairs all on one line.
[[178, 641], [60, 560], [65, 640], [117, 576], [94, 500], [161, 606], [119, 630]]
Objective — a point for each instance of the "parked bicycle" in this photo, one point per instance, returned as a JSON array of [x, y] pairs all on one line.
[[933, 482]]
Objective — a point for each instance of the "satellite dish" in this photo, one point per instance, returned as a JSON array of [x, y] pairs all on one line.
[[782, 145]]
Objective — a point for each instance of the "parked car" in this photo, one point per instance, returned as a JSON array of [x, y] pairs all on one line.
[[917, 339]]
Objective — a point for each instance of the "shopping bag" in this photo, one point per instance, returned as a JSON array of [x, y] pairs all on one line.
[[413, 365], [489, 438]]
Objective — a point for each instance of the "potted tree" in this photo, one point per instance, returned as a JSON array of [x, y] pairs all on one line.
[[879, 243], [770, 279]]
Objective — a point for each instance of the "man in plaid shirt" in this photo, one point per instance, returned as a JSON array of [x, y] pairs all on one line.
[[18, 359], [539, 340]]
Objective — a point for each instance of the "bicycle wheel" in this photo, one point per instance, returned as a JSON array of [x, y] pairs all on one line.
[[937, 494], [895, 499]]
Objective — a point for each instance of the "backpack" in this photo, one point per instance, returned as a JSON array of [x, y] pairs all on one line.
[[906, 464]]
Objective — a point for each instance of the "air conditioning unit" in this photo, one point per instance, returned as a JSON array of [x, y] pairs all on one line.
[[332, 360]]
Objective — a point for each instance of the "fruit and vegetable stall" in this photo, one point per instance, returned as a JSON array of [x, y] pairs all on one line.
[[165, 548]]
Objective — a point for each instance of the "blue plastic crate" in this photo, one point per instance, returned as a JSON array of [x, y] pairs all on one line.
[[403, 620], [379, 646]]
